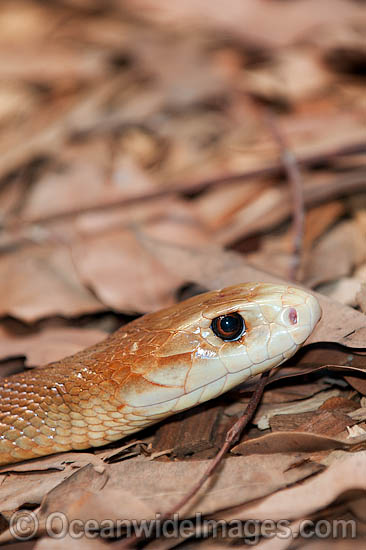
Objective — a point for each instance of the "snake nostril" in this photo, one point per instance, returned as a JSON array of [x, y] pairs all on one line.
[[292, 315]]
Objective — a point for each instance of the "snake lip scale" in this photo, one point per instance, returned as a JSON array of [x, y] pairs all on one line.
[[160, 364]]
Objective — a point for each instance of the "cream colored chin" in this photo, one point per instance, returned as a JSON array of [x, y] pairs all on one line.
[[223, 384]]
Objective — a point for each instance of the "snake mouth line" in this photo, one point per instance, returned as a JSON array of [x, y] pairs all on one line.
[[203, 386]]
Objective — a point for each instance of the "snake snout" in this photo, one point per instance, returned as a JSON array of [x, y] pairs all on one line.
[[302, 313]]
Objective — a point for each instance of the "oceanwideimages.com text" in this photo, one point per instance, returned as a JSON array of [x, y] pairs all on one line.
[[25, 525]]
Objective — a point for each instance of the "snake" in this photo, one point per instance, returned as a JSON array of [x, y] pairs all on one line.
[[157, 365]]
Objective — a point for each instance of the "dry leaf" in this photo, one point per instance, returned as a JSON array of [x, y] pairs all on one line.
[[71, 543], [343, 247], [361, 297], [293, 442], [345, 472], [41, 281], [160, 485], [32, 480], [247, 19], [124, 275], [85, 176], [49, 345]]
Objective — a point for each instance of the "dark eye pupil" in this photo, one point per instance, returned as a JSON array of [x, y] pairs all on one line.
[[229, 324], [228, 327]]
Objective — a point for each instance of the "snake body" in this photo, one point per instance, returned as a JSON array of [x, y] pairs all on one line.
[[151, 368]]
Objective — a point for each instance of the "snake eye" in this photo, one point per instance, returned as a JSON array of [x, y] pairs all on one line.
[[228, 327]]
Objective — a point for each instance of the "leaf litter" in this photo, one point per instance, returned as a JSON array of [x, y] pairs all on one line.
[[144, 153]]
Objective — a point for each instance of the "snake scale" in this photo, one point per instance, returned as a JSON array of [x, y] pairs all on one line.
[[157, 365]]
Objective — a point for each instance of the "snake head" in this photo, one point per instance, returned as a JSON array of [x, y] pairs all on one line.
[[214, 341], [276, 321]]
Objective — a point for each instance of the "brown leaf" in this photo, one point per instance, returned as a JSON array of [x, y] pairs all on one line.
[[218, 205], [102, 220], [343, 247], [89, 477], [294, 75], [274, 204], [246, 20], [49, 345], [85, 176], [361, 298], [160, 485], [319, 218], [91, 498], [292, 442], [108, 503], [343, 290], [45, 65], [321, 356], [266, 410], [45, 132], [189, 432], [71, 543], [123, 274], [41, 281], [345, 472], [32, 480], [113, 128], [318, 422], [358, 383]]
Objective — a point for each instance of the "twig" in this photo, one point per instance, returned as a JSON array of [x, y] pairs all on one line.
[[292, 170], [191, 187], [231, 437]]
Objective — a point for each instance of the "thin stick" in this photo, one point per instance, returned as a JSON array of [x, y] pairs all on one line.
[[231, 437], [292, 170], [190, 187]]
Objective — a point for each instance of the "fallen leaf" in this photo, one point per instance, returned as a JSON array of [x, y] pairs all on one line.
[[247, 21], [32, 480], [343, 246], [41, 281], [49, 345], [361, 297], [343, 290], [84, 177], [266, 411], [293, 442], [160, 485], [347, 471], [124, 275], [71, 543]]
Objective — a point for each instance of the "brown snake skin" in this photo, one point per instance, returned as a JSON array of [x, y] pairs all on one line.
[[151, 368]]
